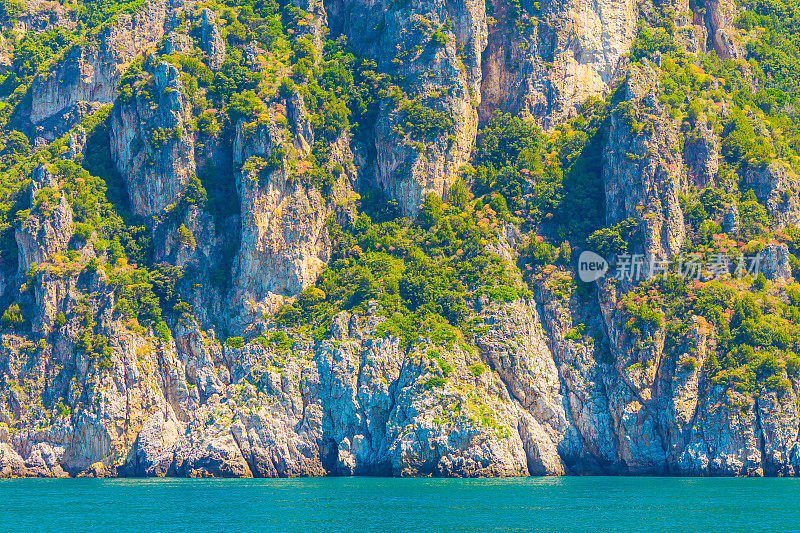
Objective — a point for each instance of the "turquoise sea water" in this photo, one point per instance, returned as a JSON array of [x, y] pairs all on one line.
[[384, 504]]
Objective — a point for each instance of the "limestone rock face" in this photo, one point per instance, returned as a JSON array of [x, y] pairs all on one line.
[[47, 230], [776, 187], [212, 41], [642, 173], [517, 348], [775, 262], [353, 404], [178, 43], [532, 400], [547, 69], [444, 76], [152, 145], [720, 17], [251, 55], [90, 73], [284, 241], [40, 15], [731, 220], [11, 464], [76, 144], [557, 381], [701, 156]]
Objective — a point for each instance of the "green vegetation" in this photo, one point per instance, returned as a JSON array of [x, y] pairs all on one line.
[[422, 121], [435, 382], [234, 342], [476, 370], [756, 335], [425, 276], [428, 278], [541, 181]]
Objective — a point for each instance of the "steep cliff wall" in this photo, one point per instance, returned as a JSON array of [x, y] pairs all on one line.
[[544, 59], [224, 276], [152, 142], [89, 73], [284, 242], [434, 50]]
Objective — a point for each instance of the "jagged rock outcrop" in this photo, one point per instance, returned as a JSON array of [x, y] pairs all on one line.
[[152, 145], [643, 175], [544, 64], [436, 50], [42, 15], [701, 155], [252, 54], [516, 348], [178, 43], [720, 16], [76, 144], [48, 228], [731, 220], [774, 262], [776, 187], [211, 39], [284, 242], [90, 73]]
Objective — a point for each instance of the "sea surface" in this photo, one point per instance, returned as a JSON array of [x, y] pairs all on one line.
[[385, 504]]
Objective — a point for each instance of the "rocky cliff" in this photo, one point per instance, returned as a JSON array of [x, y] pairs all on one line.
[[88, 74], [340, 238]]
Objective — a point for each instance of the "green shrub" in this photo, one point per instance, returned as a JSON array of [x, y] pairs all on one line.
[[793, 366], [195, 193], [63, 409], [576, 334], [83, 232], [565, 254], [435, 381], [12, 317], [753, 217], [607, 242], [286, 88], [245, 105], [280, 341], [642, 318], [537, 253], [289, 315], [11, 9], [163, 330], [503, 293], [693, 111], [17, 144], [438, 36], [476, 370], [311, 302], [458, 195], [444, 366], [186, 237], [234, 342], [650, 40], [35, 48], [422, 121], [431, 211]]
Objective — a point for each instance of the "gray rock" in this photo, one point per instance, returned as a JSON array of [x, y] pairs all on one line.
[[212, 41], [730, 222], [775, 262], [155, 171]]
